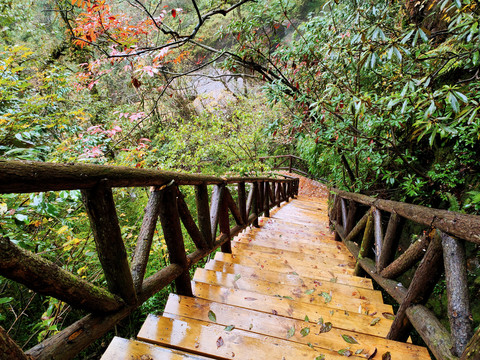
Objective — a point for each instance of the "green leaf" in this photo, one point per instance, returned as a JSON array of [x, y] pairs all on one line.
[[212, 316], [476, 56], [359, 351], [305, 331], [310, 345], [326, 296], [287, 297], [326, 327], [229, 327], [345, 352], [291, 332], [237, 276], [310, 292], [307, 319], [374, 321], [333, 280], [320, 357], [458, 4], [349, 339], [461, 96], [452, 100], [388, 316], [5, 300]]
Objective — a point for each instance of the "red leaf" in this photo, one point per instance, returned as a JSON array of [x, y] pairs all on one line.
[[219, 342], [238, 36], [174, 12]]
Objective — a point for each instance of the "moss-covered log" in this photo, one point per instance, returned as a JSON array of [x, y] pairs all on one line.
[[457, 292], [472, 351], [409, 258], [9, 348], [47, 278], [464, 226]]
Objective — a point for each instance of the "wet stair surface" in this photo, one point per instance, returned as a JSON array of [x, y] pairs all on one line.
[[287, 291]]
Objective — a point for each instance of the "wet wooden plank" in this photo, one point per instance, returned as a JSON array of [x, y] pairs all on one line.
[[123, 349], [331, 253], [291, 278], [292, 257], [325, 293], [181, 307], [289, 244], [213, 340], [322, 269], [353, 321]]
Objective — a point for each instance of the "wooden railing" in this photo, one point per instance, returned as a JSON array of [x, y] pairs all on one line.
[[291, 163], [127, 288], [440, 249]]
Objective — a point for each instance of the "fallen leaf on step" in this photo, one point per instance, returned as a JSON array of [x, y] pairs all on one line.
[[290, 332], [349, 339], [212, 316], [387, 356], [219, 342]]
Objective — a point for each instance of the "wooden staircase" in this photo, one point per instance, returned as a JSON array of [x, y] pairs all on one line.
[[286, 292]]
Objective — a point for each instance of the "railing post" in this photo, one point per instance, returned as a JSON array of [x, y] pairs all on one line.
[[278, 195], [457, 292], [108, 240], [172, 232], [203, 213], [366, 242], [224, 223], [377, 217], [255, 204], [267, 198], [144, 240], [215, 208], [261, 199], [390, 241], [242, 201], [290, 164]]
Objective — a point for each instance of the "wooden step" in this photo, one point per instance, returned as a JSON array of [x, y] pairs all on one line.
[[321, 270], [290, 253], [123, 349], [181, 307], [291, 257], [294, 281], [291, 278], [332, 298], [215, 340], [323, 239], [290, 244], [347, 320]]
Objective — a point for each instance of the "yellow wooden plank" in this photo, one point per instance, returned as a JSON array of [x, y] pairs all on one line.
[[291, 278], [181, 307], [331, 253], [289, 244], [341, 319], [282, 255], [123, 349], [289, 283], [327, 294], [212, 339], [321, 270]]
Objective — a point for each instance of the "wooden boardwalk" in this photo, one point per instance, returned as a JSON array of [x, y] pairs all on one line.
[[287, 292]]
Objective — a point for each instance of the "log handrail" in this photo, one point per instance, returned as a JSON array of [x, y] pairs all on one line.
[[446, 234], [127, 288], [291, 160]]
